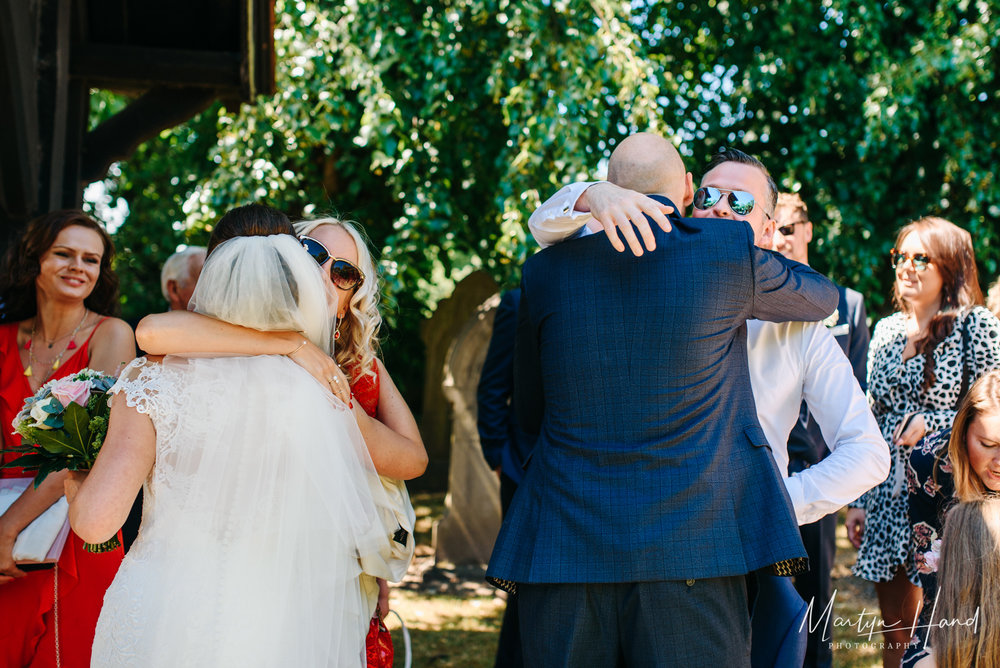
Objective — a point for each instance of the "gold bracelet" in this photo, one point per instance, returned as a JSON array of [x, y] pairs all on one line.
[[298, 348]]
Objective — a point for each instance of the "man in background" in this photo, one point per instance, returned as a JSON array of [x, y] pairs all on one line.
[[179, 276], [505, 445]]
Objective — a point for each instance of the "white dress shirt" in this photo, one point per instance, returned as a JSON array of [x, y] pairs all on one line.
[[789, 362]]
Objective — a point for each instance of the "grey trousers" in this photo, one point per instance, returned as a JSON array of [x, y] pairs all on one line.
[[670, 623]]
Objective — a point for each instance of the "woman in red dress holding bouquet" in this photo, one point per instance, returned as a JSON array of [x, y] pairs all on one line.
[[58, 290]]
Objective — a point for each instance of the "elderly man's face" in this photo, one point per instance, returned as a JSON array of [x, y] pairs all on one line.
[[185, 289], [731, 176]]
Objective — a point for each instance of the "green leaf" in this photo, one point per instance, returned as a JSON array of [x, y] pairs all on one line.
[[77, 426], [57, 442], [45, 469], [29, 462]]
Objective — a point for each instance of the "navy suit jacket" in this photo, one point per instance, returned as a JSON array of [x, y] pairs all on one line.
[[805, 442], [504, 443], [650, 463]]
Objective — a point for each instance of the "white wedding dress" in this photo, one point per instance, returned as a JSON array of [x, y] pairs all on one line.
[[255, 513]]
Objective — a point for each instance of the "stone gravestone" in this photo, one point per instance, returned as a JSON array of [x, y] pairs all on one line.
[[466, 533], [439, 334]]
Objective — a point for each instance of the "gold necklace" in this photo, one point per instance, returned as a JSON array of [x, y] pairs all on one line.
[[30, 345]]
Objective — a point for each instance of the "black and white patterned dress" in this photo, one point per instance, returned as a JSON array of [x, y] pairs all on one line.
[[894, 392]]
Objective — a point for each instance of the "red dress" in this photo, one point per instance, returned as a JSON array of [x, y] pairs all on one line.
[[27, 615], [365, 389]]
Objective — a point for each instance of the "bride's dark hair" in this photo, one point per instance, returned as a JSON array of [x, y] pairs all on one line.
[[250, 220]]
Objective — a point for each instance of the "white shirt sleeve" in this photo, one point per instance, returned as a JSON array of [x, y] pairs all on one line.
[[557, 218], [859, 456]]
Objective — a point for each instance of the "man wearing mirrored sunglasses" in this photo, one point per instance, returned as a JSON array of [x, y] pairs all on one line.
[[789, 362]]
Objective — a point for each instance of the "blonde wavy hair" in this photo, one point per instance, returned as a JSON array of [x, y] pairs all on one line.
[[356, 349], [968, 582], [983, 398]]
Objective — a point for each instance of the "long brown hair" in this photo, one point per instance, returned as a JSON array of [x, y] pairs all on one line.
[[983, 398], [950, 250], [968, 582], [22, 265]]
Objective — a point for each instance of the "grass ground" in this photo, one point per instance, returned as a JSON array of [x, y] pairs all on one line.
[[454, 617]]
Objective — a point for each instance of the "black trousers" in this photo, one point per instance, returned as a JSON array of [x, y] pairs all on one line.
[[820, 540], [689, 624], [509, 645]]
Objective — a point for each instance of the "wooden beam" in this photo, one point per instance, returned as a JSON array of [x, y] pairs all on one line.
[[139, 67], [117, 137], [20, 170]]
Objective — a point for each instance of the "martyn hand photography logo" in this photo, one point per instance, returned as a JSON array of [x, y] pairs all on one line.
[[869, 624]]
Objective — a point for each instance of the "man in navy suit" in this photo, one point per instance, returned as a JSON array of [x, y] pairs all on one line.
[[633, 528], [806, 445]]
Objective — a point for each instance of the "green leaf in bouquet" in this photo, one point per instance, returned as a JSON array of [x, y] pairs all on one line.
[[45, 469], [52, 407], [57, 442], [77, 426], [29, 462]]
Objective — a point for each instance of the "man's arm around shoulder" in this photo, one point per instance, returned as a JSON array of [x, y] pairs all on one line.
[[786, 290]]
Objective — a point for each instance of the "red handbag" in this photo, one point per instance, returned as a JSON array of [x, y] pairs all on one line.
[[378, 645]]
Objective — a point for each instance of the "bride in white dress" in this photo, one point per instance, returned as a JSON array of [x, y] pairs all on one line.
[[252, 523]]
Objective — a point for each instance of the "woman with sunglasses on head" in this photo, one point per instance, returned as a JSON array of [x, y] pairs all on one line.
[[921, 361], [59, 295], [960, 464]]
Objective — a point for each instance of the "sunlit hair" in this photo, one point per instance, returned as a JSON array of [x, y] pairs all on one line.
[[358, 343], [793, 203], [993, 298], [950, 250], [22, 264], [968, 582], [983, 398]]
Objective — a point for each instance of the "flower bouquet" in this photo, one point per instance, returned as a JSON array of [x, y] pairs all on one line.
[[62, 426]]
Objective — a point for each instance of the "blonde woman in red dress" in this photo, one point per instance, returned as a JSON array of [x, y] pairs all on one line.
[[58, 292]]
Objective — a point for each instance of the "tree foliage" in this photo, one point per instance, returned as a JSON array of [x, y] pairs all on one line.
[[440, 127]]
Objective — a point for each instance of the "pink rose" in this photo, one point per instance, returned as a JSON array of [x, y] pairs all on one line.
[[67, 391], [932, 557]]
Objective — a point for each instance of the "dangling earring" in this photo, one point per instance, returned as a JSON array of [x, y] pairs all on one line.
[[336, 332]]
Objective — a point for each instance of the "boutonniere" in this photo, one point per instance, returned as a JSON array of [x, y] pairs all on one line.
[[831, 320]]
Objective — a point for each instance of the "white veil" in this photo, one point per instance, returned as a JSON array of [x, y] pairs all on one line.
[[267, 283], [261, 499]]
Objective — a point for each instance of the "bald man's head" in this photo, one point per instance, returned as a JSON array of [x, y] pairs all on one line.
[[649, 164]]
